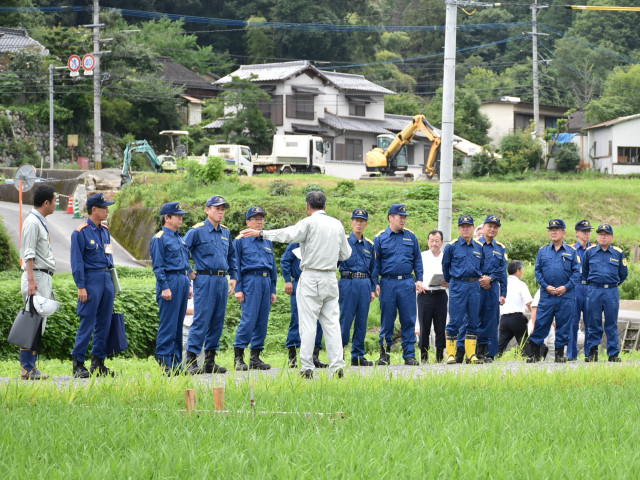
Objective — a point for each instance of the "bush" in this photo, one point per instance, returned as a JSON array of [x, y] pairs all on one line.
[[520, 151], [212, 171], [9, 257], [280, 188], [312, 187], [23, 151], [567, 158], [344, 188], [485, 164]]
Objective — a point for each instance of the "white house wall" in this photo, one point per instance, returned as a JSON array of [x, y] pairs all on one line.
[[501, 117], [625, 134]]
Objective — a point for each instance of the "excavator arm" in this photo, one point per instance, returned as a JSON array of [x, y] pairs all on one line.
[[383, 160]]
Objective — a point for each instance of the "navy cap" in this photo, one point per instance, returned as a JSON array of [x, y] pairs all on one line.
[[583, 225], [605, 227], [360, 213], [493, 219], [557, 223], [398, 209], [97, 200], [253, 211], [465, 220], [172, 208], [217, 200]]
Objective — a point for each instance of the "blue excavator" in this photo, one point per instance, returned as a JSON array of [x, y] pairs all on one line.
[[159, 163]]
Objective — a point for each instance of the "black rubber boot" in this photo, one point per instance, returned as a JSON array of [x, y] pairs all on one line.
[[98, 367], [535, 353], [238, 360], [293, 358], [483, 353], [308, 374], [361, 362], [255, 363], [424, 355], [460, 354], [384, 357], [439, 355], [210, 365], [316, 359], [560, 358], [593, 355], [79, 370], [191, 364]]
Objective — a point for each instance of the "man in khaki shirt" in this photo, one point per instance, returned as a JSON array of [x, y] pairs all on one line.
[[38, 266], [323, 243]]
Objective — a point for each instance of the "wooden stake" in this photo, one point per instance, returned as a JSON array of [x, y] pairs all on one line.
[[190, 399], [218, 398]]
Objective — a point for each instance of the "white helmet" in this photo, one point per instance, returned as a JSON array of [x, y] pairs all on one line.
[[45, 306]]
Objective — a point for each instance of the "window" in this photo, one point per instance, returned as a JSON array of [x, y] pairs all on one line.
[[272, 110], [629, 155], [354, 149], [522, 121], [356, 110], [551, 122], [300, 106]]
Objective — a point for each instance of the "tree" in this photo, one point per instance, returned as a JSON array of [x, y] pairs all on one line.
[[404, 104], [248, 126], [620, 96], [260, 46], [520, 150]]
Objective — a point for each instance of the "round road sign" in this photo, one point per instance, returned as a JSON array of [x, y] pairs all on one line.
[[88, 62], [74, 63]]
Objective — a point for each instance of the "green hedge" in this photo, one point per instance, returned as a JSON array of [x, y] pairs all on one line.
[[9, 256], [138, 303]]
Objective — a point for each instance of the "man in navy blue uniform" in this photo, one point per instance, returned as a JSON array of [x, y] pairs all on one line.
[[357, 287], [493, 288], [91, 260], [558, 272], [255, 290], [583, 234], [290, 266], [170, 259], [605, 267], [462, 264], [398, 258], [214, 258]]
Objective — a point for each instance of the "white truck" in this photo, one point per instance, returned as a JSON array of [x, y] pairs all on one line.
[[238, 157], [290, 154]]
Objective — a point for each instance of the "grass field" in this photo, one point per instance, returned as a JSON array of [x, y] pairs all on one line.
[[464, 422]]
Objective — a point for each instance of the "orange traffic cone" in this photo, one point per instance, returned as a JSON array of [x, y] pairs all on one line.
[[70, 205]]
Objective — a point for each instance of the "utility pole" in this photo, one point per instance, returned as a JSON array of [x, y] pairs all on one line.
[[536, 87], [448, 105], [97, 124], [51, 69]]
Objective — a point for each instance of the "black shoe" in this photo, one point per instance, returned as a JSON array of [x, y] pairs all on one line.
[[191, 364], [535, 353], [544, 351], [411, 361], [361, 362], [210, 365], [98, 368], [79, 370], [293, 358], [316, 359], [459, 355], [439, 355], [424, 355], [615, 358], [481, 353], [593, 355], [385, 358], [255, 363], [238, 360], [572, 359], [340, 373], [560, 358], [308, 374]]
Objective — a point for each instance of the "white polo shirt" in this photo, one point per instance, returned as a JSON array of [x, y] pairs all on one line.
[[518, 296]]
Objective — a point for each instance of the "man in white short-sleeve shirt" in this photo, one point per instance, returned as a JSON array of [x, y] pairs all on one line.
[[513, 323]]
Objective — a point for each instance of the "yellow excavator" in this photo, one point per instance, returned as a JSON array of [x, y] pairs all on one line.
[[384, 158]]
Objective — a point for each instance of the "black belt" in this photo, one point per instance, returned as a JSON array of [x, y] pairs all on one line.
[[215, 273], [180, 272], [43, 270], [257, 273], [435, 291], [354, 275], [104, 269], [398, 277], [604, 285], [466, 279]]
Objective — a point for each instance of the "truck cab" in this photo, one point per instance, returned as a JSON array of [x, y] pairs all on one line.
[[237, 157]]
